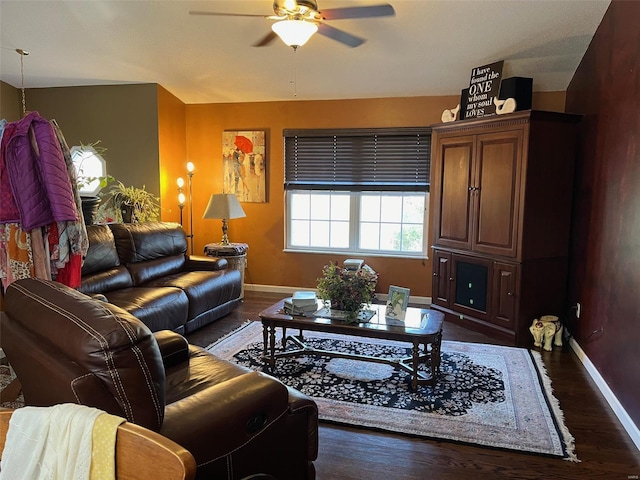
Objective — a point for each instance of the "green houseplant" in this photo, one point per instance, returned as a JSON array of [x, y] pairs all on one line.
[[130, 204], [347, 290]]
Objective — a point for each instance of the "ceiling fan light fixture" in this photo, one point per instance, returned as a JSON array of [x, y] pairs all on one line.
[[294, 33]]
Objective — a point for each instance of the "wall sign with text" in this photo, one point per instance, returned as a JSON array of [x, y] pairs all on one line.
[[484, 86]]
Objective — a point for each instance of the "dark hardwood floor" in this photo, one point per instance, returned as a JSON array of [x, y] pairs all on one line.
[[602, 444]]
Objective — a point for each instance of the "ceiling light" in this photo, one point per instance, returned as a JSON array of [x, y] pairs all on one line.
[[294, 33]]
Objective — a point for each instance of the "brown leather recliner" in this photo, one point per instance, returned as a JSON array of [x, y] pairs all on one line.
[[67, 347]]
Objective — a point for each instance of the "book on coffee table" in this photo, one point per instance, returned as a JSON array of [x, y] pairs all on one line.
[[304, 298], [301, 303]]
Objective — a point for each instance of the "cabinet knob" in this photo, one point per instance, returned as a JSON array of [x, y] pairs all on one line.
[[435, 274], [510, 294], [451, 279]]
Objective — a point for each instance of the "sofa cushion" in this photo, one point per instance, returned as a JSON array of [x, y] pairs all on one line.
[[163, 308], [204, 370], [143, 272], [138, 242], [150, 250], [106, 280], [102, 254], [205, 290]]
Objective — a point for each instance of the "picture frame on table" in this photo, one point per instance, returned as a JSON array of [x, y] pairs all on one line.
[[397, 302]]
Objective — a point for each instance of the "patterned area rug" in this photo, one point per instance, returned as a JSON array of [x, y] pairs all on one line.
[[486, 395], [6, 375]]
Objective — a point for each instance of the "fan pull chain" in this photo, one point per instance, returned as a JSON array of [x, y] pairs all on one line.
[[22, 53], [295, 73], [295, 81]]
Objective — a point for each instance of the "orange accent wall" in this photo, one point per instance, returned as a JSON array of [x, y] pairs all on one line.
[[150, 124], [263, 227], [172, 151]]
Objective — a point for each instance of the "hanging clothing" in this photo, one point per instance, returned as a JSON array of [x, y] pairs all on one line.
[[39, 180], [43, 235], [75, 231], [8, 209], [16, 258]]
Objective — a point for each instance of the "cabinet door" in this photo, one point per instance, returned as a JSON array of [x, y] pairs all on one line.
[[441, 284], [496, 192], [505, 293], [472, 283], [453, 172]]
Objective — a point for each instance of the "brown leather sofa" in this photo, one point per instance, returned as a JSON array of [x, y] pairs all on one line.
[[68, 347], [144, 268]]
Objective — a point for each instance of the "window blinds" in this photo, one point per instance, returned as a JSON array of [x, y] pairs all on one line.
[[385, 159]]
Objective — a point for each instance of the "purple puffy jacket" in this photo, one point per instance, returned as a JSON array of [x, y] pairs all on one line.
[[38, 174]]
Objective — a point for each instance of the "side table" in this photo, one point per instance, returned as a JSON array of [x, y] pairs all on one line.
[[234, 253]]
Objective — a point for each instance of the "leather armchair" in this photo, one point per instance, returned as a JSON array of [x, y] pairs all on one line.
[[68, 347]]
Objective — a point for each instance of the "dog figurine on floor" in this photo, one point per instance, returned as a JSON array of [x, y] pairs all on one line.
[[546, 330]]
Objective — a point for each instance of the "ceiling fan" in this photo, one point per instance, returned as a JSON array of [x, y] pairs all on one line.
[[298, 20]]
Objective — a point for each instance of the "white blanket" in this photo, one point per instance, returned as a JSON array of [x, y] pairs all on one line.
[[52, 443]]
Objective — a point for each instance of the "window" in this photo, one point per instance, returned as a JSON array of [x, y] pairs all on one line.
[[357, 191], [90, 169]]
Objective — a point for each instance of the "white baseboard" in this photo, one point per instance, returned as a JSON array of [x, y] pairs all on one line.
[[609, 396], [272, 288], [422, 301]]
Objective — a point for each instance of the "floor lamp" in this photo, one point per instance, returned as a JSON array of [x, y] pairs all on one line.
[[190, 169], [181, 196]]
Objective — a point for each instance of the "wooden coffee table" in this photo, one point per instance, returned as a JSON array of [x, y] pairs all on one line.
[[421, 327]]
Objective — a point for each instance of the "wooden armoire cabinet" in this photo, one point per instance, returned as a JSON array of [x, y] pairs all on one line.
[[501, 194]]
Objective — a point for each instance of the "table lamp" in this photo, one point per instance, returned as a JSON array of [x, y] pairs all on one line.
[[224, 206]]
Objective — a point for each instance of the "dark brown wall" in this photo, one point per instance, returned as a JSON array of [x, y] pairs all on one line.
[[10, 103], [123, 117], [605, 264]]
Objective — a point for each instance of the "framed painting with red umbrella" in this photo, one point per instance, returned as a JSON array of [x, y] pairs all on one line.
[[244, 160]]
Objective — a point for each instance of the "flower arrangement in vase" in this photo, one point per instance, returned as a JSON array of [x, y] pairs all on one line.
[[348, 290]]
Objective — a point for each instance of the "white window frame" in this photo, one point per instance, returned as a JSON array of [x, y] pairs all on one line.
[[90, 169], [354, 162], [354, 226]]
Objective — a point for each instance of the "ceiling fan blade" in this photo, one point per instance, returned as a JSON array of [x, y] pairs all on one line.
[[222, 14], [382, 10], [340, 35], [266, 40]]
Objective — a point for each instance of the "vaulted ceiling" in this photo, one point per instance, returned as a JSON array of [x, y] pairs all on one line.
[[427, 48]]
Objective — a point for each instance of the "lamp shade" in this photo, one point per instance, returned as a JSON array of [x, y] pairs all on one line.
[[294, 32], [223, 205]]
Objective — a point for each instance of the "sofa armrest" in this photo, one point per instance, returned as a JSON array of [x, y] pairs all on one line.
[[200, 262], [174, 348], [224, 417], [98, 296]]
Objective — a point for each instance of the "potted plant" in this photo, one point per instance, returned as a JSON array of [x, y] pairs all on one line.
[[130, 204], [348, 290]]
